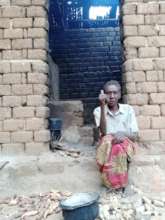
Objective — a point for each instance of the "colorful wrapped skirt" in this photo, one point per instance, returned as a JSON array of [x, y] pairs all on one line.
[[113, 161]]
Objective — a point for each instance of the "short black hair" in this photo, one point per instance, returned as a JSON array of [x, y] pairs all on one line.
[[112, 82]]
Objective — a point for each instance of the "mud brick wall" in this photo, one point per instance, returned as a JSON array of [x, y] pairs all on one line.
[[23, 76], [144, 69]]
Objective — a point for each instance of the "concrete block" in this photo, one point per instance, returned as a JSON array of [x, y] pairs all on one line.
[[162, 108], [147, 30], [22, 89], [149, 135], [13, 33], [154, 75], [23, 112], [37, 100], [161, 86], [155, 19], [41, 22], [159, 63], [37, 54], [129, 9], [5, 113], [152, 110], [36, 11], [142, 64], [21, 44], [158, 122], [13, 12], [148, 52], [133, 19], [4, 23], [146, 87], [162, 134], [21, 136], [5, 67], [14, 124], [157, 98], [135, 42], [162, 7], [12, 149], [21, 3], [4, 137], [148, 8], [156, 41], [13, 78], [131, 87], [36, 124], [42, 112], [130, 30], [39, 2], [42, 136], [37, 33], [12, 54], [40, 67], [41, 43], [40, 89], [34, 148], [5, 44], [136, 99], [130, 53], [37, 78], [20, 66], [11, 101], [5, 90], [144, 122], [22, 22]]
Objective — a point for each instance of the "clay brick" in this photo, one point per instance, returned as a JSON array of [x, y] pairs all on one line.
[[37, 33], [21, 44], [154, 75], [22, 136], [22, 22], [137, 76], [5, 90], [148, 8], [129, 9], [12, 149], [11, 101], [161, 29], [143, 64], [148, 52], [135, 42], [41, 22], [4, 137], [23, 112], [40, 66], [159, 63], [20, 2], [162, 134], [39, 2], [12, 54], [4, 66], [37, 100], [156, 41], [130, 31], [162, 109], [155, 19], [13, 12], [5, 44], [4, 23], [161, 86], [36, 11], [34, 148], [37, 54], [130, 53], [146, 87], [149, 135], [131, 87], [136, 99], [37, 78], [147, 30], [144, 122], [36, 124], [40, 89], [41, 43], [1, 125], [43, 112], [13, 125], [158, 122], [5, 113], [22, 89], [4, 2], [42, 136], [162, 52], [13, 33], [12, 78], [162, 7], [153, 110], [157, 98], [1, 33], [20, 66], [133, 19]]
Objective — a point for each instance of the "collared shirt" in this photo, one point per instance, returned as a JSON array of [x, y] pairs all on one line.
[[123, 120]]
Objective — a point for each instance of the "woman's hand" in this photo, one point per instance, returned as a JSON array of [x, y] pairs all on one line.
[[119, 137], [102, 97]]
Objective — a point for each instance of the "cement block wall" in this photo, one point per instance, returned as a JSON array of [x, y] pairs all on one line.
[[144, 69], [23, 76]]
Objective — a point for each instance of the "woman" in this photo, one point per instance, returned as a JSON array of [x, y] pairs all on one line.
[[118, 130]]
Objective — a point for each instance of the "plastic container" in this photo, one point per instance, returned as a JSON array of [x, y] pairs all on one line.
[[81, 206], [55, 128]]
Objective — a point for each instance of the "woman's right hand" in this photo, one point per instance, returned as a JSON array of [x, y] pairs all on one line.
[[102, 97]]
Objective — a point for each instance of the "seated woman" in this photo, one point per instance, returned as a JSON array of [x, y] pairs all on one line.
[[118, 131]]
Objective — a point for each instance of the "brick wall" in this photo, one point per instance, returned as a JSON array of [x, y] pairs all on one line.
[[23, 76], [144, 76]]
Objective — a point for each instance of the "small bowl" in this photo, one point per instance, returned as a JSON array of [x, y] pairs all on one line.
[[81, 206]]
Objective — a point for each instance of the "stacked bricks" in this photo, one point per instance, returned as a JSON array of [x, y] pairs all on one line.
[[23, 77], [144, 68]]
